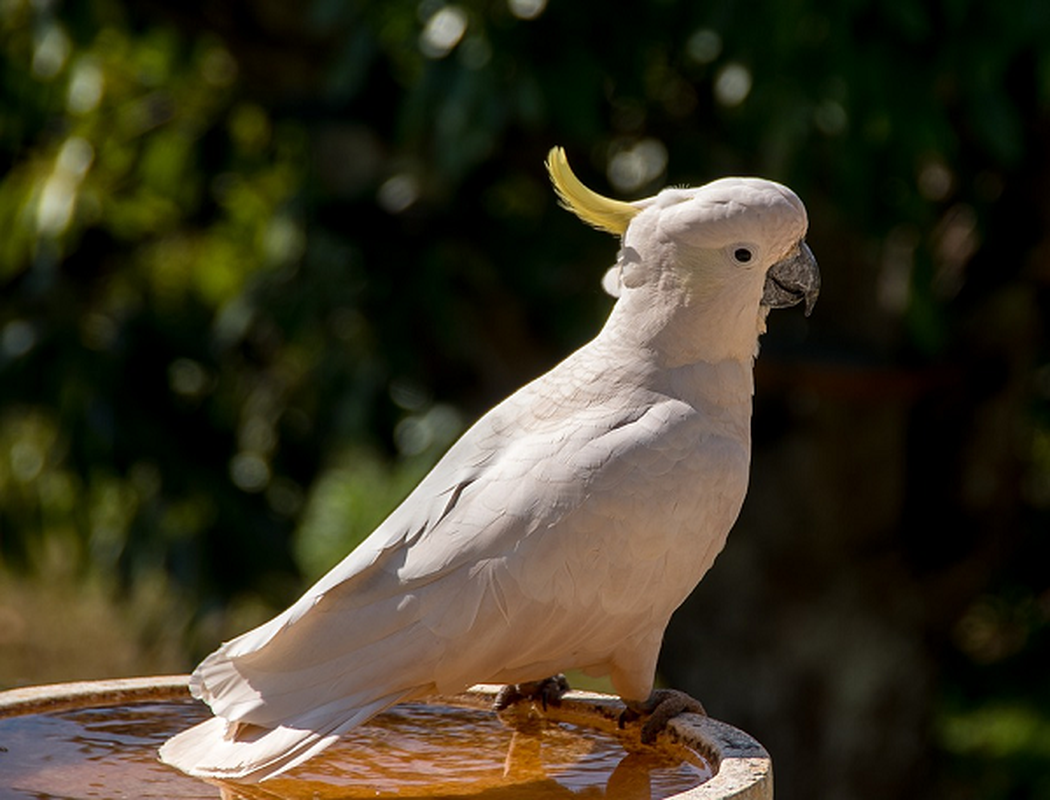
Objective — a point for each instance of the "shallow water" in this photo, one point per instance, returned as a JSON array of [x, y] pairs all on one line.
[[110, 752]]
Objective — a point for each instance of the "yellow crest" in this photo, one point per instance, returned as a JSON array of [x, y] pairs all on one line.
[[603, 213]]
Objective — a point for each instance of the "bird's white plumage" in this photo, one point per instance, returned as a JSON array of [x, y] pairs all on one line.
[[559, 532]]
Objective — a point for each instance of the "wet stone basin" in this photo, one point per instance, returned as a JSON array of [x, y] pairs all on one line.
[[104, 745]]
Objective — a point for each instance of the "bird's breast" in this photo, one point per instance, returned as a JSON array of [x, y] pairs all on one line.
[[641, 512]]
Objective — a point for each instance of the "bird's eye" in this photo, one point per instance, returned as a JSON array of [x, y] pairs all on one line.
[[742, 255]]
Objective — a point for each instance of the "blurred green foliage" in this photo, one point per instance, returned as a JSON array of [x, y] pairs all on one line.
[[260, 263], [144, 201]]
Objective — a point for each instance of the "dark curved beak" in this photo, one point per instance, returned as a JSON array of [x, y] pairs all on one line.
[[793, 280]]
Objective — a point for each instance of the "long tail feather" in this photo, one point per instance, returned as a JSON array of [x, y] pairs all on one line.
[[250, 753]]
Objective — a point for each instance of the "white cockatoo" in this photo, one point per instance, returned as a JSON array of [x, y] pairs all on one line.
[[566, 525]]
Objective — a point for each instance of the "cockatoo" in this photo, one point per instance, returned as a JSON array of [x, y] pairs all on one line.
[[566, 525]]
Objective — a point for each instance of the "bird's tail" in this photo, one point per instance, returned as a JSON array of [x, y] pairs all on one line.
[[217, 748]]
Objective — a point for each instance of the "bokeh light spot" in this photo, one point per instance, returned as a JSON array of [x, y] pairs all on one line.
[[526, 9], [249, 472], [830, 118], [704, 46], [732, 85], [632, 168], [443, 31], [17, 339], [85, 87], [50, 52], [398, 193]]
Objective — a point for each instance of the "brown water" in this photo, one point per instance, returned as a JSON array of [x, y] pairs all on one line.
[[111, 753]]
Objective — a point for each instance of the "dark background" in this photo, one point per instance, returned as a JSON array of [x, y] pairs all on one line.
[[260, 262]]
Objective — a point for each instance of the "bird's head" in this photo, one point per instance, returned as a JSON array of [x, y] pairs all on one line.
[[734, 244]]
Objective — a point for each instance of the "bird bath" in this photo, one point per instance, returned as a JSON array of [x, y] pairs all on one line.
[[98, 739]]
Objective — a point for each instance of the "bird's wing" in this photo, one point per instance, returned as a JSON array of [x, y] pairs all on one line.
[[502, 480]]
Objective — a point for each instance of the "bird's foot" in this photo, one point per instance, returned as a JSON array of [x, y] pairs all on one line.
[[662, 706], [547, 692]]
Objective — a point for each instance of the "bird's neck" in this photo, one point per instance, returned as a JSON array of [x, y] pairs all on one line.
[[678, 331], [720, 382]]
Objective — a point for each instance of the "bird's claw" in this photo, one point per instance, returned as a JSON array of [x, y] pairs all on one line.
[[547, 692], [662, 706]]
